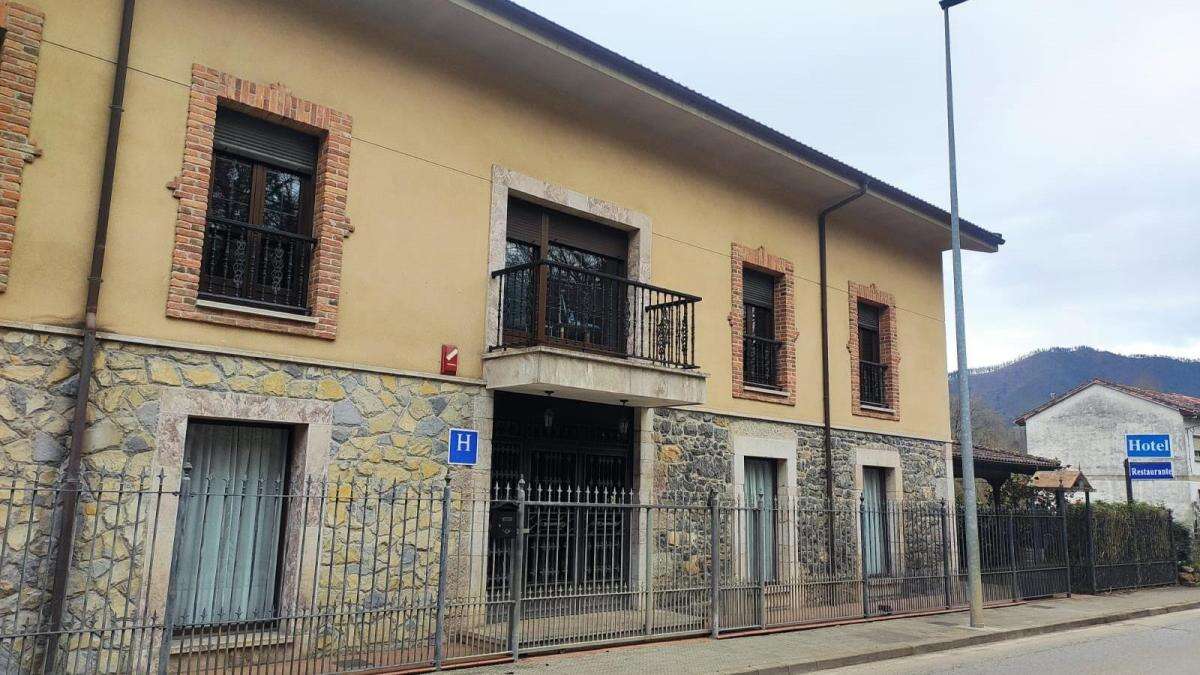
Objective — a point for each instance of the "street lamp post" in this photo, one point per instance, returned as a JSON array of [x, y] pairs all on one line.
[[970, 515]]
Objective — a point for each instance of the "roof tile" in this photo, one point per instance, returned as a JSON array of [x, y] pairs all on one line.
[[1189, 406]]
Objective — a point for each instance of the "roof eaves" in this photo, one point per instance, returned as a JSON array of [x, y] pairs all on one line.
[[1006, 456], [1182, 403], [1157, 397], [572, 41]]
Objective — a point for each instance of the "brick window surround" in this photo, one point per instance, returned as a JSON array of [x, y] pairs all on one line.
[[889, 353], [331, 224], [743, 257], [21, 27]]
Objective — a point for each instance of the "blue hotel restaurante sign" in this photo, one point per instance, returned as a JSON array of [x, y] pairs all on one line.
[[1150, 471]]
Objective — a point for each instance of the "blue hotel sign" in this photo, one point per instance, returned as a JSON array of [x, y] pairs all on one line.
[[1147, 445], [464, 447], [1150, 471]]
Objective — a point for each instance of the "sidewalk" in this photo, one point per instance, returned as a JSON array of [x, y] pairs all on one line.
[[837, 646]]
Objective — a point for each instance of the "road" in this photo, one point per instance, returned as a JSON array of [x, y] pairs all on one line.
[[1169, 643]]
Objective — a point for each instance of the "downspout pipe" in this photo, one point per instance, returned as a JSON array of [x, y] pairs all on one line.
[[826, 434], [71, 470]]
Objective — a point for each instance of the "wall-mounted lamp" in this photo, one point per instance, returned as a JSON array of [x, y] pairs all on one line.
[[548, 413], [623, 425]]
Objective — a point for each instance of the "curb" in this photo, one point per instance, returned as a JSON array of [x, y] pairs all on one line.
[[956, 643]]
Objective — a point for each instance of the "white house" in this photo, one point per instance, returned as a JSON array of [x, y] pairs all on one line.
[[1087, 428]]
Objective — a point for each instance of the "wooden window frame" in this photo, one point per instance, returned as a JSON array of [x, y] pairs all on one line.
[[258, 189], [743, 258], [256, 217], [542, 250], [210, 89], [753, 327], [889, 355]]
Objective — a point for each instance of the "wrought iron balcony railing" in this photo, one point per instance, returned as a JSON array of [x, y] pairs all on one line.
[[547, 303], [252, 265], [760, 361], [872, 383]]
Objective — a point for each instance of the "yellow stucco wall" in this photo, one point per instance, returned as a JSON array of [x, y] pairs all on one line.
[[427, 129]]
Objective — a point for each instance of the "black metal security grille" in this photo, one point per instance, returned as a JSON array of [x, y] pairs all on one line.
[[550, 303], [760, 349], [872, 383], [760, 361], [872, 373], [248, 264]]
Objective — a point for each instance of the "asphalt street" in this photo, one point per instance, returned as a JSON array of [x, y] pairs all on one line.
[[1169, 643]]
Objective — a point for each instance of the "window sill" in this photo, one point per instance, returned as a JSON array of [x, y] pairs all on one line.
[[765, 390], [254, 311], [878, 412], [234, 640], [877, 408]]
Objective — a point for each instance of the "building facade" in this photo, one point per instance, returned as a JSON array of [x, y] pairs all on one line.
[[316, 208], [1087, 428]]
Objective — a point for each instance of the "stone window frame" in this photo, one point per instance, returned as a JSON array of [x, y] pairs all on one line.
[[783, 451], [741, 258], [888, 347], [509, 183], [312, 437], [779, 449], [21, 28], [888, 459], [209, 89]]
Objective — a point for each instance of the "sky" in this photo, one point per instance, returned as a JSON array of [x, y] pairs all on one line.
[[1078, 127]]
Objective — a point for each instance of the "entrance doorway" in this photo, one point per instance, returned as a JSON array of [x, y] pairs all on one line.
[[577, 460], [556, 444]]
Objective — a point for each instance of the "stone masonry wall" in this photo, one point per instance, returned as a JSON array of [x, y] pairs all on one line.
[[385, 465], [695, 456], [384, 426]]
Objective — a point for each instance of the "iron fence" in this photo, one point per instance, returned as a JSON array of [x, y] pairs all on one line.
[[207, 574]]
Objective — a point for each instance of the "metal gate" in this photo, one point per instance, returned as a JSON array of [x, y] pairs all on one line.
[[574, 458]]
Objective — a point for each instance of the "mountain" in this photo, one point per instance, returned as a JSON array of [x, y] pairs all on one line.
[[1017, 386]]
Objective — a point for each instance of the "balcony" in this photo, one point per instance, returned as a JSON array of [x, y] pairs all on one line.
[[255, 266], [593, 336]]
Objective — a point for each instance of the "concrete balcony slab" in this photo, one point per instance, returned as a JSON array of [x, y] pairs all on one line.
[[592, 377]]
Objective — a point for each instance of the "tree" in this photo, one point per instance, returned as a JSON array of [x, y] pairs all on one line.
[[988, 427]]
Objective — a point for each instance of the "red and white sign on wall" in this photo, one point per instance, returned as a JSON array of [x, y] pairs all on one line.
[[449, 360]]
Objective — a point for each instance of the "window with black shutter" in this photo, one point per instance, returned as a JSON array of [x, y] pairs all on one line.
[[258, 241], [760, 349], [872, 371], [582, 302]]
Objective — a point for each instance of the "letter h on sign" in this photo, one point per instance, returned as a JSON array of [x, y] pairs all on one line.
[[464, 447]]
